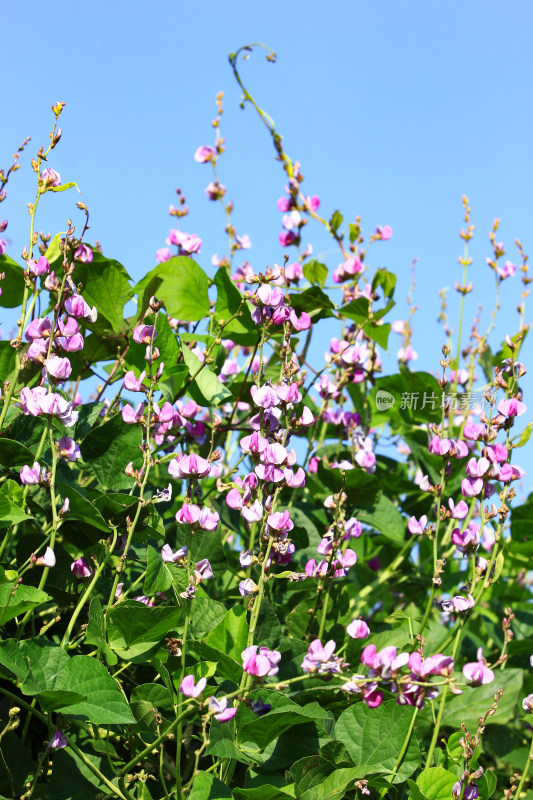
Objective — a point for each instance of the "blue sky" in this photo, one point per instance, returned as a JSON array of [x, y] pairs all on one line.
[[394, 108]]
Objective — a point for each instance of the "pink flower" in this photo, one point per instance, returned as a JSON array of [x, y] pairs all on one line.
[[168, 555], [253, 513], [358, 629], [193, 466], [204, 153], [477, 672], [84, 254], [383, 232], [68, 449], [131, 416], [202, 571], [163, 254], [220, 709], [131, 383], [208, 519], [417, 526], [512, 408], [458, 511], [507, 271], [50, 177], [320, 658], [41, 267], [280, 522], [262, 664], [58, 368], [80, 569], [265, 397], [48, 559], [77, 307], [188, 514], [30, 476], [188, 687], [144, 334], [301, 323]]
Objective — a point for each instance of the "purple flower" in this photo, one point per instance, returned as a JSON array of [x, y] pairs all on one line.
[[80, 569], [188, 687], [203, 571], [248, 587], [131, 383], [527, 703], [68, 449], [58, 741], [144, 334], [458, 511], [260, 708], [168, 555], [84, 254], [188, 514], [220, 709], [50, 177]]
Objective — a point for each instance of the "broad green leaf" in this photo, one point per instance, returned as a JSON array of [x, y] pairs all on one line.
[[436, 783], [315, 272], [88, 414], [284, 715], [205, 389], [314, 302], [160, 575], [12, 285], [207, 787], [181, 284], [206, 614], [358, 310], [107, 450], [12, 659], [82, 509], [336, 221], [374, 737], [487, 784], [230, 301], [475, 701], [10, 513], [378, 333], [230, 635], [385, 518], [172, 385], [385, 279], [265, 792], [16, 599], [47, 663], [134, 629], [7, 360], [363, 490], [106, 285], [95, 632], [104, 704]]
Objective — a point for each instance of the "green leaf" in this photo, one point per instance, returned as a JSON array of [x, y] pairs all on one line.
[[88, 414], [486, 785], [475, 701], [264, 792], [206, 389], [54, 251], [82, 509], [64, 187], [378, 333], [315, 272], [385, 518], [16, 599], [181, 284], [385, 279], [336, 221], [207, 787], [525, 435], [106, 285], [8, 362], [284, 715], [374, 737], [134, 629], [104, 704], [358, 310], [108, 448], [206, 614], [47, 662], [436, 783], [95, 633], [230, 635], [314, 302], [10, 513], [230, 301], [172, 385], [12, 285], [160, 575], [363, 490]]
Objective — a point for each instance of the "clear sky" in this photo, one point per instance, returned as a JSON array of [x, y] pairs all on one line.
[[395, 108]]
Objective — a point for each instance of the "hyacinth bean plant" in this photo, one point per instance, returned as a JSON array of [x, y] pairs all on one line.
[[231, 567]]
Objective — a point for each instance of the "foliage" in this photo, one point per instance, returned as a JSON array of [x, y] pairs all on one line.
[[271, 577]]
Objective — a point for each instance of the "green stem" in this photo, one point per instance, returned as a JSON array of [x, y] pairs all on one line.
[[524, 773]]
